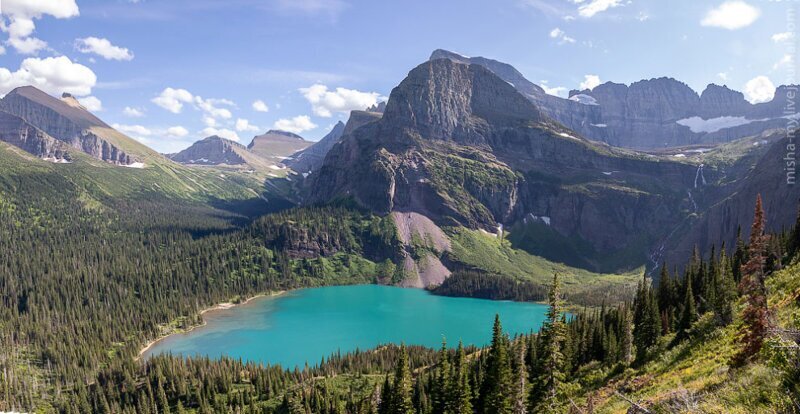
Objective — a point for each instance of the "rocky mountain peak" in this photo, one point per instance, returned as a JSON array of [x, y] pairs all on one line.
[[444, 100], [716, 101], [213, 150]]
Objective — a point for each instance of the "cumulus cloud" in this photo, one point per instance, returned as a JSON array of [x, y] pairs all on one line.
[[590, 82], [731, 15], [723, 76], [562, 37], [173, 99], [21, 15], [53, 75], [782, 37], [295, 125], [555, 91], [596, 6], [91, 103], [177, 131], [133, 112], [325, 102], [133, 130], [260, 106], [759, 89], [223, 133], [213, 107], [245, 125], [102, 47]]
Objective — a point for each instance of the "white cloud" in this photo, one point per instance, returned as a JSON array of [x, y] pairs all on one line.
[[312, 7], [209, 121], [53, 75], [223, 133], [177, 131], [91, 103], [723, 76], [596, 6], [782, 37], [295, 125], [561, 36], [786, 60], [173, 99], [731, 15], [759, 89], [27, 46], [21, 14], [643, 17], [325, 102], [133, 112], [245, 125], [212, 107], [589, 82], [134, 130], [555, 91], [260, 106], [102, 47]]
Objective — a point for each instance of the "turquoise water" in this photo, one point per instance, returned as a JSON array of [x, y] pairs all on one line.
[[306, 325]]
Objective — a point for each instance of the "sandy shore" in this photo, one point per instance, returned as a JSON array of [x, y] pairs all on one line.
[[217, 307]]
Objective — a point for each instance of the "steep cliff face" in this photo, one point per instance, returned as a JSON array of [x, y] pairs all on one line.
[[67, 121], [460, 146], [311, 158], [15, 131], [212, 151], [648, 114]]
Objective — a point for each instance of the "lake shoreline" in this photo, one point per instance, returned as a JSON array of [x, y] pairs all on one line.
[[216, 308]]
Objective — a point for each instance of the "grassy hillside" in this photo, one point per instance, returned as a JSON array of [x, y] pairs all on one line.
[[695, 375]]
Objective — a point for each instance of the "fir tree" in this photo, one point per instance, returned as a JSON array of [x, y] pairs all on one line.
[[753, 288], [725, 291], [688, 313], [442, 381], [400, 401], [460, 395], [497, 383], [646, 319], [552, 375]]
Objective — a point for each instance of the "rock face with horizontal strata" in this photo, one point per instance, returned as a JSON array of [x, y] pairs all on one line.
[[15, 131], [64, 120]]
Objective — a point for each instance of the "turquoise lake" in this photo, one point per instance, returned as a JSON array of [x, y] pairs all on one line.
[[309, 324]]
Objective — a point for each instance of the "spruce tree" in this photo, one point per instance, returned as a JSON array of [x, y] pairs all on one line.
[[646, 319], [460, 395], [520, 404], [753, 288], [688, 313], [442, 381], [402, 388], [497, 382], [725, 291], [545, 399]]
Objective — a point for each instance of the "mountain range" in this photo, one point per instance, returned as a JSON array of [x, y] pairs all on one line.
[[608, 179]]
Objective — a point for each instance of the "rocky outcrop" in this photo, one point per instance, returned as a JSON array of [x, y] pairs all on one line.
[[311, 158], [460, 146], [15, 131], [65, 120], [648, 114], [213, 150]]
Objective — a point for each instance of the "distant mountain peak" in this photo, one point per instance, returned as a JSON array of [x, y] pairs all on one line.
[[283, 133]]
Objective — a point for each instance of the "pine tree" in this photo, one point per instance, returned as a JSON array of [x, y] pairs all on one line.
[[646, 320], [520, 375], [497, 382], [442, 381], [402, 387], [460, 395], [545, 398], [753, 288], [688, 313], [725, 291]]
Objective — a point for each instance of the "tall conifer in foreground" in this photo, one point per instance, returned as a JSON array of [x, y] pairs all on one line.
[[497, 383], [753, 288], [545, 392]]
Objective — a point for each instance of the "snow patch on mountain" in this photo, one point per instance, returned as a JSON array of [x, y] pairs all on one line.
[[584, 99]]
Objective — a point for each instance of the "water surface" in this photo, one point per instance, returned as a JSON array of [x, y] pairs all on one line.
[[306, 325]]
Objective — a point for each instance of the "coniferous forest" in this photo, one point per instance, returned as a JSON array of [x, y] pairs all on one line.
[[85, 286]]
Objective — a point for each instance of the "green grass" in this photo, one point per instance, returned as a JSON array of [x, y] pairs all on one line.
[[491, 254]]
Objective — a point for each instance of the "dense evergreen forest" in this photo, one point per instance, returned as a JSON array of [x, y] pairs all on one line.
[[85, 282]]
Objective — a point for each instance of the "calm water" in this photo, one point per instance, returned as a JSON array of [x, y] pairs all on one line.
[[309, 324]]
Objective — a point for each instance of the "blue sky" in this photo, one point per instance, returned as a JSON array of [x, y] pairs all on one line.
[[169, 72]]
